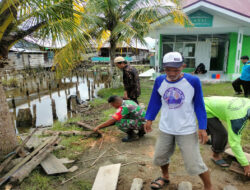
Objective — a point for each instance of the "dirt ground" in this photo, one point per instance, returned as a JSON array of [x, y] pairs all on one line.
[[136, 159]]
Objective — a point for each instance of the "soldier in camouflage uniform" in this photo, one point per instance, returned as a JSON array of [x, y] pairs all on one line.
[[131, 79], [129, 118]]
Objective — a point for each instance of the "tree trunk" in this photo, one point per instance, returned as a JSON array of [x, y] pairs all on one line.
[[4, 50], [8, 138], [112, 51], [112, 55]]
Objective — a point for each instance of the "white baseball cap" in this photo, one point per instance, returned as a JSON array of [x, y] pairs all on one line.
[[119, 59], [172, 59]]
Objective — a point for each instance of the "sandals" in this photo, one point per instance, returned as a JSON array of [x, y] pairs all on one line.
[[221, 163], [159, 186]]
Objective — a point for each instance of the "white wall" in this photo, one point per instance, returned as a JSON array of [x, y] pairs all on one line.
[[35, 60]]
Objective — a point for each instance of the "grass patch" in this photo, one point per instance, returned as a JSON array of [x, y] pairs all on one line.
[[219, 89], [39, 181], [81, 185], [106, 93], [97, 102], [74, 146]]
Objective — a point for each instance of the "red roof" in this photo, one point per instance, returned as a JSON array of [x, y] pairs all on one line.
[[241, 7]]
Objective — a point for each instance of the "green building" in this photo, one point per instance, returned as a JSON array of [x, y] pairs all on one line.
[[220, 35]]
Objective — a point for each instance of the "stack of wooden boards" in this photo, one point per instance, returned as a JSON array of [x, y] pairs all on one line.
[[15, 170]]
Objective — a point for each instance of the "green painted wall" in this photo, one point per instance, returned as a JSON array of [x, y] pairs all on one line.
[[245, 48], [232, 52], [233, 49], [188, 70]]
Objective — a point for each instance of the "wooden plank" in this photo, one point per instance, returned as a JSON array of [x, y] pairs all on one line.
[[84, 125], [107, 177], [52, 165], [26, 159], [235, 167], [230, 152], [66, 161]]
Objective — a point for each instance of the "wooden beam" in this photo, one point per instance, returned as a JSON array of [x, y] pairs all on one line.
[[235, 167], [52, 165], [6, 162], [230, 152]]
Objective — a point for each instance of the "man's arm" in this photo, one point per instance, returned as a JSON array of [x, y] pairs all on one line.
[[200, 111], [105, 124], [154, 106], [234, 141]]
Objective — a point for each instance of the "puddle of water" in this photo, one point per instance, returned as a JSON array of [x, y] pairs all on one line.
[[44, 108]]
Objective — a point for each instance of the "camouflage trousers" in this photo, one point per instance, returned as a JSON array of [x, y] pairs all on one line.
[[126, 125]]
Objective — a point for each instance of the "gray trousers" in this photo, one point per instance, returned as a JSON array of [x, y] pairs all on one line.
[[189, 147]]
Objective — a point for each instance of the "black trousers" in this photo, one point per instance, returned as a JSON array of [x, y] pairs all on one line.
[[134, 99], [218, 134], [245, 84]]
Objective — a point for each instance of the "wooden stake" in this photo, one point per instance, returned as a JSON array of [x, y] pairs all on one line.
[[53, 105], [34, 116]]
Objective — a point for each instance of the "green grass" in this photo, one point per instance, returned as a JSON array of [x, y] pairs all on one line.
[[37, 180], [81, 185], [219, 89], [106, 93], [97, 102]]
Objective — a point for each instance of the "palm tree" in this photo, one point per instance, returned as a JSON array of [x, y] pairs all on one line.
[[76, 22], [125, 20], [51, 19]]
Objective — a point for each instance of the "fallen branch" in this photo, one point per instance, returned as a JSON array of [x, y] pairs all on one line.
[[84, 126], [6, 162], [99, 157], [101, 143], [129, 163], [106, 156], [115, 150], [85, 171], [71, 133]]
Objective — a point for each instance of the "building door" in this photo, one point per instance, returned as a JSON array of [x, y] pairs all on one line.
[[203, 54]]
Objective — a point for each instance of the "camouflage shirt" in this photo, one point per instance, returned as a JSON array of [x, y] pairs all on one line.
[[129, 110], [131, 81]]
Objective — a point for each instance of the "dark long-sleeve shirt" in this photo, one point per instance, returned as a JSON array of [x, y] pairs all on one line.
[[131, 81]]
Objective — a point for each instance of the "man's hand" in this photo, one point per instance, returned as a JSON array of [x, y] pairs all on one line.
[[96, 129], [203, 136], [147, 126], [247, 170]]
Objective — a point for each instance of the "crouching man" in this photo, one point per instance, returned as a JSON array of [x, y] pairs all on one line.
[[129, 118], [235, 112]]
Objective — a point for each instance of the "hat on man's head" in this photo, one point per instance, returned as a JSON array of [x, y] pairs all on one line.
[[173, 59], [244, 57], [119, 59]]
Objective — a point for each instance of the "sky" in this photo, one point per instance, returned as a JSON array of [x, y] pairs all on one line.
[[150, 41]]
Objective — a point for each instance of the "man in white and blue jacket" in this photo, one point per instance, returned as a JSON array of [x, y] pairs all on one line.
[[180, 98]]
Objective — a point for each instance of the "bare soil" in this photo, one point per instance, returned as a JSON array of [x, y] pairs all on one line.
[[136, 159]]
